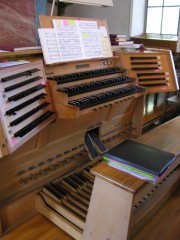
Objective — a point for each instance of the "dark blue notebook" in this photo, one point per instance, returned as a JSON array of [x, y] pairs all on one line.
[[141, 156]]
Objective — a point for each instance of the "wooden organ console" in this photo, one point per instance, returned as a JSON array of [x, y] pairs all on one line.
[[58, 170]]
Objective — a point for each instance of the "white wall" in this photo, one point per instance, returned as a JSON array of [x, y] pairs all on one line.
[[178, 43], [118, 16], [138, 17], [125, 17]]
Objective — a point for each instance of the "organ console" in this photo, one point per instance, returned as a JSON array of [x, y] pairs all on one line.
[[109, 110], [54, 134]]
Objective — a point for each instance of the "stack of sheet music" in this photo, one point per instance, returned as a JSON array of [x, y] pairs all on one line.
[[140, 160], [120, 40]]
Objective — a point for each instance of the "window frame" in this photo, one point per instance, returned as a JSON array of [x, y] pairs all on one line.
[[162, 6]]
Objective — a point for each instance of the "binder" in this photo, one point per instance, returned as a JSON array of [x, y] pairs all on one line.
[[140, 156]]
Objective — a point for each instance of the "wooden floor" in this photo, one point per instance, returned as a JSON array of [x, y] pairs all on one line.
[[165, 225]]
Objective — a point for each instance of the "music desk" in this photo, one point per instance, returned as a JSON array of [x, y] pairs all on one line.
[[120, 204]]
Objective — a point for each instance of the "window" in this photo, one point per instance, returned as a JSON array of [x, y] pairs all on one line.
[[163, 16]]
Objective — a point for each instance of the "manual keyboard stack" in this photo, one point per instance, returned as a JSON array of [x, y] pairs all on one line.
[[82, 92]]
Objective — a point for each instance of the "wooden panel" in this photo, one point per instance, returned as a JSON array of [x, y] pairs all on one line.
[[167, 215], [148, 206], [118, 178], [60, 221], [165, 137], [156, 43], [154, 70], [30, 55], [110, 206], [17, 212], [25, 99], [46, 21]]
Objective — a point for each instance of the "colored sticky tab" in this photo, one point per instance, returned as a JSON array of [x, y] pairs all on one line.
[[65, 22], [14, 141], [43, 83], [71, 22], [86, 35]]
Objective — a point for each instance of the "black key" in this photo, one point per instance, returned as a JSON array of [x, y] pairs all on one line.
[[71, 183], [144, 68], [21, 74], [105, 97], [54, 191], [75, 179], [22, 132], [28, 114], [149, 74], [62, 189], [85, 75], [26, 93], [151, 79], [79, 89], [142, 58], [13, 111], [21, 84], [143, 63]]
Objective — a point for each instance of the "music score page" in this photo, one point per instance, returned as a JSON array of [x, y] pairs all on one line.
[[72, 40]]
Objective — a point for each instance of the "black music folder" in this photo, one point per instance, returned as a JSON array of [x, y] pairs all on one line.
[[141, 156]]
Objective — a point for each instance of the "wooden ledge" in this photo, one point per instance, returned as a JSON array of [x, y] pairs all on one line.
[[121, 179], [165, 137]]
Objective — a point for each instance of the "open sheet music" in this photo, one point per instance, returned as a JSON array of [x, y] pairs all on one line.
[[71, 40]]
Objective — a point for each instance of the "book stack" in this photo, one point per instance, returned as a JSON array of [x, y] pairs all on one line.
[[119, 40], [139, 160]]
